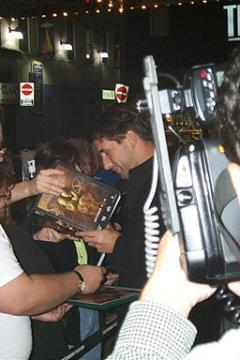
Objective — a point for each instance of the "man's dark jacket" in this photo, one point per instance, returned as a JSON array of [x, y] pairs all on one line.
[[128, 257]]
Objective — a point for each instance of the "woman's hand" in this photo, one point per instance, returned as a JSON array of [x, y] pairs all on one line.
[[48, 234], [49, 181]]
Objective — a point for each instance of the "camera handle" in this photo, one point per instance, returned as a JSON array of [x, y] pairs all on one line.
[[231, 306]]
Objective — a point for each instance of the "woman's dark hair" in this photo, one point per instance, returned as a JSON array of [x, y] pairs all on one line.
[[89, 160], [117, 120], [59, 149], [228, 107]]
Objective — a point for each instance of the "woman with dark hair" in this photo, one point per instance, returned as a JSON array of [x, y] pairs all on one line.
[[63, 253]]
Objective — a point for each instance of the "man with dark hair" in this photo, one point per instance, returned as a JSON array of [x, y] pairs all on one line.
[[123, 138]]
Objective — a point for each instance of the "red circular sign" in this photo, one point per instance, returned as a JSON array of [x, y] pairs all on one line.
[[27, 89], [121, 93]]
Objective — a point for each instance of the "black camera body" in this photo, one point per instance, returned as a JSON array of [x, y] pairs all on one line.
[[208, 212], [197, 199]]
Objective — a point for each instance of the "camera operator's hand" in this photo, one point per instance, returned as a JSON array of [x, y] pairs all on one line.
[[169, 285], [235, 287], [92, 275]]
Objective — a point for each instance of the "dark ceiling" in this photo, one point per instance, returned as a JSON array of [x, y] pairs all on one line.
[[26, 8], [48, 7], [38, 7]]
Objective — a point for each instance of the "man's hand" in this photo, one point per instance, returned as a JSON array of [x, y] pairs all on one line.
[[54, 315], [169, 284], [48, 181], [103, 240], [48, 234], [92, 275]]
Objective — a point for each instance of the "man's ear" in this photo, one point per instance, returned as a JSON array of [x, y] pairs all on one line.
[[131, 138], [234, 172]]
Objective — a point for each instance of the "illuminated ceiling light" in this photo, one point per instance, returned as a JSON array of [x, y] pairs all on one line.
[[86, 12], [132, 8], [15, 34], [65, 46], [1, 18], [13, 19], [65, 13], [179, 4], [98, 11], [88, 56], [110, 4], [99, 1], [103, 54], [192, 2], [143, 7], [54, 15], [109, 10], [44, 16], [121, 9], [155, 6], [76, 13], [204, 1]]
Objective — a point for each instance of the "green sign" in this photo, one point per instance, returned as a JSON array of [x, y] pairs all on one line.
[[108, 95]]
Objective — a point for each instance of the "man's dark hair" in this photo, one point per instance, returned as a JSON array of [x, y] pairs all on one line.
[[228, 107], [117, 120]]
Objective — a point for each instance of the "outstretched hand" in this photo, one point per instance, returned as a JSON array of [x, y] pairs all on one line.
[[48, 181], [169, 284]]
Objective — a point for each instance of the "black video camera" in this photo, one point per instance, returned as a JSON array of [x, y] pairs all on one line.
[[197, 199]]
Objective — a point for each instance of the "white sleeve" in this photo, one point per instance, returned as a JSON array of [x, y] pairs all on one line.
[[152, 331], [226, 347], [9, 266]]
